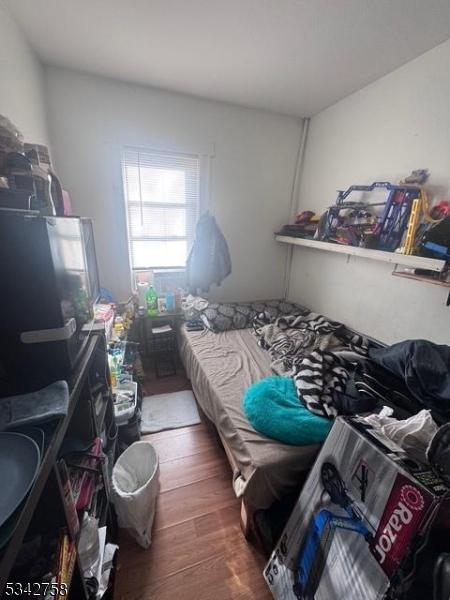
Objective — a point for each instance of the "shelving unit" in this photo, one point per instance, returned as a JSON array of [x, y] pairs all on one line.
[[44, 506], [407, 260], [422, 278]]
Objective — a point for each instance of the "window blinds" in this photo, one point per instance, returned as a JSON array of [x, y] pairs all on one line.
[[162, 203]]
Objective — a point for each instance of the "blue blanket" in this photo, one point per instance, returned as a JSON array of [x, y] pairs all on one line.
[[273, 408]]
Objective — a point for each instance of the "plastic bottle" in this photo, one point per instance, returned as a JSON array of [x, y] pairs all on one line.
[[152, 301], [142, 288], [178, 296], [170, 301]]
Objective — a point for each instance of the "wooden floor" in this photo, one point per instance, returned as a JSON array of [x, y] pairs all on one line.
[[198, 551]]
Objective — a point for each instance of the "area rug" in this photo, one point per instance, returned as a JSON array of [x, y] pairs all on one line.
[[169, 411]]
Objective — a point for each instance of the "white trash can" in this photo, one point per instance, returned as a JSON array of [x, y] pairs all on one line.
[[135, 482]]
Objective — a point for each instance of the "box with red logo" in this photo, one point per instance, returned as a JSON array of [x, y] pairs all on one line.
[[362, 521]]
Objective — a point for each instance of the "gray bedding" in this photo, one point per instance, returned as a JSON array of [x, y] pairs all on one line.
[[221, 366]]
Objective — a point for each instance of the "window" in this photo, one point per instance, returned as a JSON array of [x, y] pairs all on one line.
[[162, 203]]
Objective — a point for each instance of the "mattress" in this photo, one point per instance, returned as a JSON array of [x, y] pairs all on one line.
[[221, 366]]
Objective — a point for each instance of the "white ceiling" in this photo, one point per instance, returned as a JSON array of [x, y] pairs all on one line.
[[291, 56]]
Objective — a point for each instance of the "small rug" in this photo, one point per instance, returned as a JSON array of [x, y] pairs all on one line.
[[169, 411]]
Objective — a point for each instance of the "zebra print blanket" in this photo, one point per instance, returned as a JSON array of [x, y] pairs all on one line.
[[315, 352]]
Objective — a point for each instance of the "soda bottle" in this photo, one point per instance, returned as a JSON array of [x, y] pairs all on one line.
[[151, 298]]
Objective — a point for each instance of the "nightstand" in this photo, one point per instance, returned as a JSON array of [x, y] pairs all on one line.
[[158, 338]]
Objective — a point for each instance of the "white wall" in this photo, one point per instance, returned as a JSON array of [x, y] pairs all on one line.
[[21, 82], [399, 123], [251, 176]]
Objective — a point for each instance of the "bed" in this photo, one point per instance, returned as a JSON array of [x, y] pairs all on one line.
[[221, 366]]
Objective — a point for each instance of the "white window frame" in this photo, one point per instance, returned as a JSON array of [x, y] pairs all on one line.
[[202, 198]]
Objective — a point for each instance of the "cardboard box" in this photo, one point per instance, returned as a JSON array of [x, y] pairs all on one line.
[[364, 511]]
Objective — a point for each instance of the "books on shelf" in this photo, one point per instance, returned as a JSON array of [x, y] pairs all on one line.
[[68, 499], [83, 474]]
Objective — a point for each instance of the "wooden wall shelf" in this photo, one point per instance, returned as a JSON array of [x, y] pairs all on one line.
[[422, 278], [407, 260]]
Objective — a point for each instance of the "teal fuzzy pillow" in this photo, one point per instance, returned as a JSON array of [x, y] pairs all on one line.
[[273, 408]]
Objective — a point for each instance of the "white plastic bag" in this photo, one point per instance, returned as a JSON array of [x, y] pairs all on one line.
[[88, 546], [135, 482], [413, 434]]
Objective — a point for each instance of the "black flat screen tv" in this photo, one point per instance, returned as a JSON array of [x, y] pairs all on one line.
[[48, 284], [91, 260]]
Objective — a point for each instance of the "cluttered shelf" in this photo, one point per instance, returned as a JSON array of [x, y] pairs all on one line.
[[24, 517], [51, 513], [382, 221], [417, 262]]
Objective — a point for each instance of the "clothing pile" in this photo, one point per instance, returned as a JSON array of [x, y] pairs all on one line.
[[338, 372], [317, 353], [408, 377], [403, 389]]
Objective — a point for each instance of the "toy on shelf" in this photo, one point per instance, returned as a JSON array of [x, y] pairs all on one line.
[[413, 223], [379, 224], [381, 216], [417, 177], [305, 225]]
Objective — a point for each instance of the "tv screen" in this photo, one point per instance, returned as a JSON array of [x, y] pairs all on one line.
[[91, 260]]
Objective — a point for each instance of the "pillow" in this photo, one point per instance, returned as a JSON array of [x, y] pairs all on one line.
[[239, 315], [193, 306], [274, 409]]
